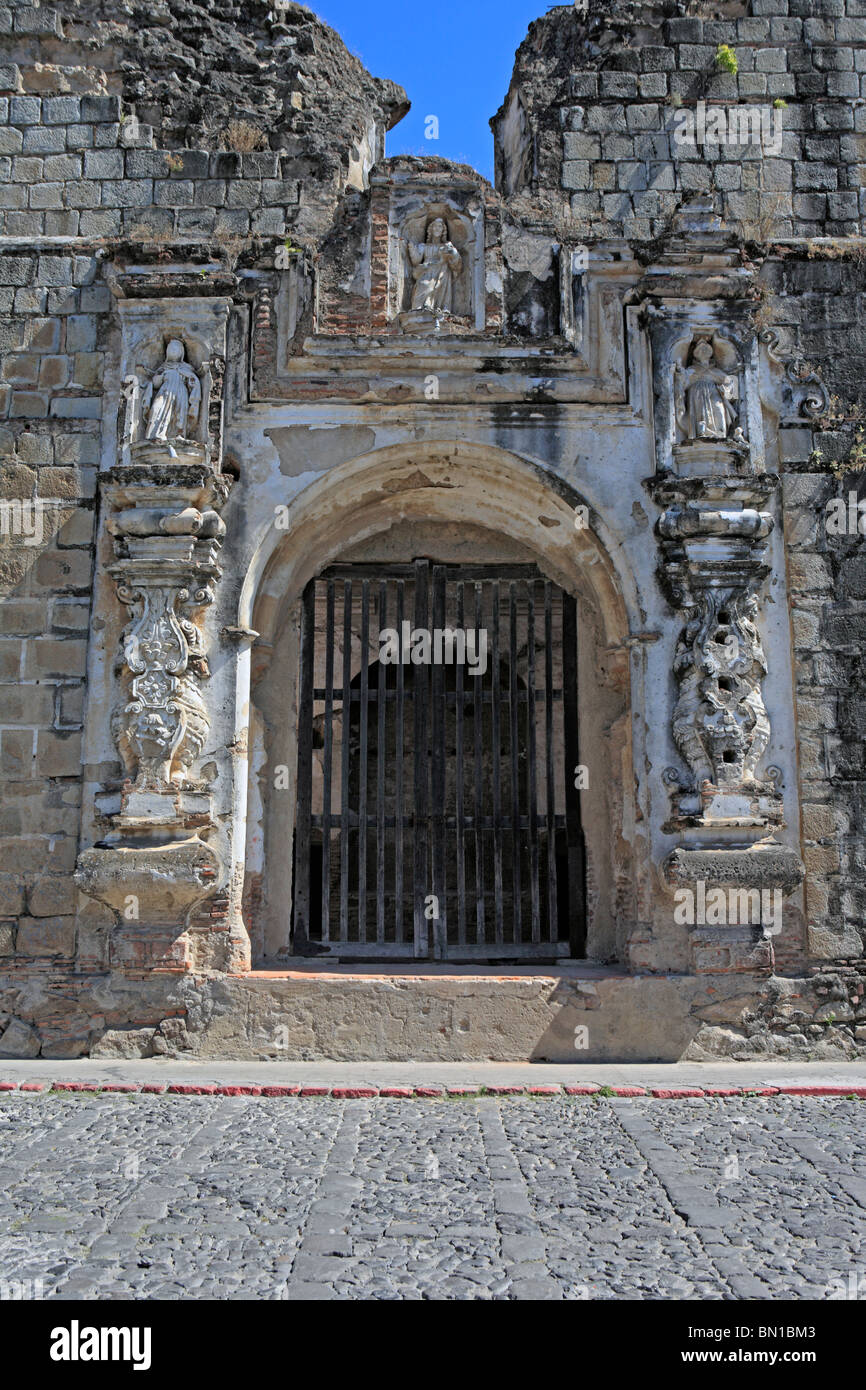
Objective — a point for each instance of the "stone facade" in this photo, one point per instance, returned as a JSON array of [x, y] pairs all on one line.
[[237, 350]]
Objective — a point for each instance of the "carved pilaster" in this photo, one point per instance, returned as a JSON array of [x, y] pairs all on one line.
[[714, 493], [167, 535], [161, 504], [713, 533]]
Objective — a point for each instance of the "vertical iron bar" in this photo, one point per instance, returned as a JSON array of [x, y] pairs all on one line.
[[514, 724], [531, 757], [398, 796], [346, 738], [478, 723], [458, 775], [496, 751], [422, 766], [328, 763], [550, 780], [362, 780], [574, 829], [380, 772], [440, 922], [301, 924]]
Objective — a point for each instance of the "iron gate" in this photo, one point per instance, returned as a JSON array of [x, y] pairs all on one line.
[[438, 811]]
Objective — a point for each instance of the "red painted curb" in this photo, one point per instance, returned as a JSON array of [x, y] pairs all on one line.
[[822, 1090], [181, 1088], [675, 1092]]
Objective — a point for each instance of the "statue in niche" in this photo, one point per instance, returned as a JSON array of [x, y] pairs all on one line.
[[706, 394], [171, 400], [435, 264]]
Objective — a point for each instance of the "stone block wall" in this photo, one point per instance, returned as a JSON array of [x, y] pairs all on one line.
[[52, 313], [820, 304], [604, 89]]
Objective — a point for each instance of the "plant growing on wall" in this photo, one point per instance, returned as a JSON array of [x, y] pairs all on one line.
[[726, 58]]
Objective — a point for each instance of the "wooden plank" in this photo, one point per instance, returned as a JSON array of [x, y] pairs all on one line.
[[363, 758], [478, 752], [525, 950], [380, 774], [420, 675], [574, 828], [327, 768], [458, 777], [532, 770], [301, 915], [398, 795], [437, 761], [550, 779], [496, 757], [345, 745]]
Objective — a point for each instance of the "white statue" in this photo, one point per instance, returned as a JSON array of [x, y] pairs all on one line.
[[435, 263], [172, 413], [705, 396]]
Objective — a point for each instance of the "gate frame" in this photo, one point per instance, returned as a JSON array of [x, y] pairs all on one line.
[[446, 481]]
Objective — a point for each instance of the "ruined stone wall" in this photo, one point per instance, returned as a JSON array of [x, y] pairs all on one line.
[[192, 142], [124, 131], [820, 305], [590, 140], [589, 128]]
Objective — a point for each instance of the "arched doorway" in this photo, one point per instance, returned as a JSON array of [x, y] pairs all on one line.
[[437, 723], [456, 504]]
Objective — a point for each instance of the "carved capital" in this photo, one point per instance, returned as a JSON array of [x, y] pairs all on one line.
[[806, 394]]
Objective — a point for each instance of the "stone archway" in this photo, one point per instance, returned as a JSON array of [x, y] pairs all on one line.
[[389, 504]]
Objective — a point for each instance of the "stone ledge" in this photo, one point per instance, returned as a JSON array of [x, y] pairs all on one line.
[[761, 866]]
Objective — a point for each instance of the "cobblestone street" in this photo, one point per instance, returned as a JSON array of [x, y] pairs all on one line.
[[118, 1196]]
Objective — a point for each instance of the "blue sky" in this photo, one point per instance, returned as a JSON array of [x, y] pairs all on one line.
[[454, 58]]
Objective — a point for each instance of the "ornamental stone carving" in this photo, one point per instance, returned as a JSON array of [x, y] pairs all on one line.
[[165, 571], [162, 501], [172, 397], [435, 262], [713, 536], [165, 410], [706, 394]]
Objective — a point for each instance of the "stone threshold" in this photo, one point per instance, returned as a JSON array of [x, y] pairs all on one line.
[[319, 969]]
